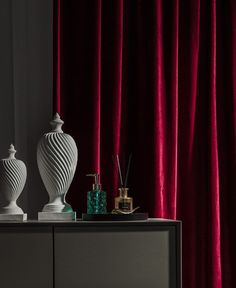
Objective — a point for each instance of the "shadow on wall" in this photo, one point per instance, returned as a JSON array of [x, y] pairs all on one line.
[[26, 79]]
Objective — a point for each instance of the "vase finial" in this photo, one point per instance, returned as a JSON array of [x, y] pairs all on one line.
[[12, 152], [57, 123]]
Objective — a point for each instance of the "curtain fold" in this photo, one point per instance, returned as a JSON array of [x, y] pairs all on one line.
[[156, 79], [214, 241], [166, 110], [112, 64], [96, 108]]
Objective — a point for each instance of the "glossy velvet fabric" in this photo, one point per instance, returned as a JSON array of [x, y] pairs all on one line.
[[156, 79]]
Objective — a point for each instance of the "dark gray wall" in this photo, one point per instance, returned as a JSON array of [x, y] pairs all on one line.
[[26, 55]]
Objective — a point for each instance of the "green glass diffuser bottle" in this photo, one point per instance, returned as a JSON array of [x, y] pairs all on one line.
[[96, 198]]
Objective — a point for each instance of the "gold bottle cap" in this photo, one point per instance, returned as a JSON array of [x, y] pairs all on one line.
[[123, 192]]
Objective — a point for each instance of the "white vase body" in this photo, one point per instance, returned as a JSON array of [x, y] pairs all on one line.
[[57, 160], [13, 175]]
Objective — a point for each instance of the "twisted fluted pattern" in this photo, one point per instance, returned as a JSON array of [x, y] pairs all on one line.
[[57, 159], [12, 178]]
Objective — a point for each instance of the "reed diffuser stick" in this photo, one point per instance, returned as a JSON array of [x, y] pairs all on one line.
[[127, 172], [118, 163]]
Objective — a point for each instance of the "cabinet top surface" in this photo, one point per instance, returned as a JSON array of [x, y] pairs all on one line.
[[79, 222]]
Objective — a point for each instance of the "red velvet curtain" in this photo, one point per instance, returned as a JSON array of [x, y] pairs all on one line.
[[156, 79]]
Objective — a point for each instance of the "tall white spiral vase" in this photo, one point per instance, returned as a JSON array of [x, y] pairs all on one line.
[[13, 175], [57, 156]]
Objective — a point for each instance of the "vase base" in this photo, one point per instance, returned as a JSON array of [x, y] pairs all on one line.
[[57, 208], [11, 210], [56, 216], [13, 217]]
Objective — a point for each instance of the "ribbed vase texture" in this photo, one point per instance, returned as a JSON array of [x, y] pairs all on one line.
[[57, 159], [12, 181]]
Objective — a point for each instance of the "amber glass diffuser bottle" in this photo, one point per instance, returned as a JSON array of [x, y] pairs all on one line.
[[123, 202]]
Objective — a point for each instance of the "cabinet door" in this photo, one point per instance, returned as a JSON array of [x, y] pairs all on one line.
[[111, 258], [26, 257]]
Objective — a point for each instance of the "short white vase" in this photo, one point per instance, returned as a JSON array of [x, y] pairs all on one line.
[[57, 160], [12, 181]]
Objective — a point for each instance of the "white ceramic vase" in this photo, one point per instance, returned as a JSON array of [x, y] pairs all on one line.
[[57, 159], [12, 181]]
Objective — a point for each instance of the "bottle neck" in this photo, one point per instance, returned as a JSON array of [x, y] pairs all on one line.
[[97, 187], [123, 192]]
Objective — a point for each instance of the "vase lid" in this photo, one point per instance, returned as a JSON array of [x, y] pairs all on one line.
[[57, 123], [11, 152]]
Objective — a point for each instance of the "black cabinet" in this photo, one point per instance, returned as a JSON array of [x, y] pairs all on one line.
[[26, 256], [91, 254]]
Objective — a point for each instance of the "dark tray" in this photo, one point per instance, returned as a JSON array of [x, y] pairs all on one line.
[[115, 217]]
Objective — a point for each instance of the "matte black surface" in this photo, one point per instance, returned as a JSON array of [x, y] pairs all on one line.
[[112, 258], [74, 235], [115, 217], [79, 223], [26, 257], [66, 244]]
